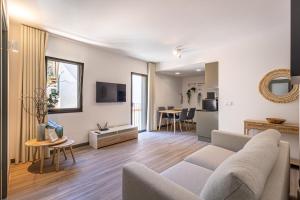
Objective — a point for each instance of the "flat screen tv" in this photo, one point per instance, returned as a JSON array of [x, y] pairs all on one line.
[[110, 92], [295, 41]]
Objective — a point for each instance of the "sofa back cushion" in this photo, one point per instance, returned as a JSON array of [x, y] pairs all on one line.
[[243, 175]]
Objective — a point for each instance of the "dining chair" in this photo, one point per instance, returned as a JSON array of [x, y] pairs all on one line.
[[190, 116], [170, 116], [164, 115], [182, 118]]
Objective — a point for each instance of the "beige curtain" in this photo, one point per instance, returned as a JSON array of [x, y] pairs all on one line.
[[32, 76], [151, 97]]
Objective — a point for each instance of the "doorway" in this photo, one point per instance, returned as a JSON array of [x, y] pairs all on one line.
[[139, 101]]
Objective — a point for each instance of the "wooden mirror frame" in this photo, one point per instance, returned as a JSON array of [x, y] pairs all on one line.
[[265, 91]]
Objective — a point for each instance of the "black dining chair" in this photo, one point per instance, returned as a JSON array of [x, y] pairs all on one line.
[[164, 115], [190, 116], [182, 118], [170, 116]]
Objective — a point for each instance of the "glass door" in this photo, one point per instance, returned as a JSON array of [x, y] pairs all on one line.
[[139, 101]]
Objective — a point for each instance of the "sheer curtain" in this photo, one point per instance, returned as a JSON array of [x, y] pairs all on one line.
[[151, 97], [32, 76]]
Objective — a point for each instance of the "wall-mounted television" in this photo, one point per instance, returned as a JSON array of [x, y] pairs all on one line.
[[110, 92], [295, 41]]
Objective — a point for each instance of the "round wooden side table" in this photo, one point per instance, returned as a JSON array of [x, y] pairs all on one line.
[[39, 146]]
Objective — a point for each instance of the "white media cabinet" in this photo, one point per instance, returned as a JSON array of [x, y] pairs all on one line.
[[98, 139]]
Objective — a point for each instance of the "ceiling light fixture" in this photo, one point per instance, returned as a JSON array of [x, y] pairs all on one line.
[[177, 73], [178, 51]]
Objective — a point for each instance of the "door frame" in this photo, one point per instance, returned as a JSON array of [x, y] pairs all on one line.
[[3, 102], [144, 75]]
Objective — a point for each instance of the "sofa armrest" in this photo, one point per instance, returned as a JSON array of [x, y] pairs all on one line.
[[141, 183], [227, 140]]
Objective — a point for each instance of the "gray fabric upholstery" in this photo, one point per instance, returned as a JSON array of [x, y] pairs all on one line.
[[244, 174], [209, 157], [266, 136], [227, 140], [188, 175], [141, 183], [277, 186]]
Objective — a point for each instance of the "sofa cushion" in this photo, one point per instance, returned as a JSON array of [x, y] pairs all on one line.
[[269, 135], [191, 177], [244, 174], [209, 157], [277, 185]]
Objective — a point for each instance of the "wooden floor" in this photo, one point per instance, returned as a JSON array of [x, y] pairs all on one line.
[[97, 173]]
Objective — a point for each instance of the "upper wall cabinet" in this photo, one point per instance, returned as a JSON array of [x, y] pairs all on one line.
[[212, 75]]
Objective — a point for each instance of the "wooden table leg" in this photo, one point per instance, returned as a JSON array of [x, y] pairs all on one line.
[[64, 150], [34, 154], [160, 118], [57, 162], [180, 126], [53, 158], [174, 123], [71, 150], [42, 153]]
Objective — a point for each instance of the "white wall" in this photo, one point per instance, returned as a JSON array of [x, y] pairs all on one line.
[[241, 66], [241, 69], [167, 92], [99, 65]]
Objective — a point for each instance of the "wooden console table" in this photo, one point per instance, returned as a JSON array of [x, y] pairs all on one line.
[[263, 125]]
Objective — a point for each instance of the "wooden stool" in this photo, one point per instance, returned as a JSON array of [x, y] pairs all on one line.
[[63, 146]]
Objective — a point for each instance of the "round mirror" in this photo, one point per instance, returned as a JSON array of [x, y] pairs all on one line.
[[276, 86], [280, 86]]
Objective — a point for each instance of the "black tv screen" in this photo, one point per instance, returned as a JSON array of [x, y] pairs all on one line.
[[110, 92], [295, 40]]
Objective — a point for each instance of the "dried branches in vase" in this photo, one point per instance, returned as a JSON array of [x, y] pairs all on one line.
[[37, 105]]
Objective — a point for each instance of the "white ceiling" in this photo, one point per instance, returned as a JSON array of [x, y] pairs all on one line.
[[197, 69], [151, 29]]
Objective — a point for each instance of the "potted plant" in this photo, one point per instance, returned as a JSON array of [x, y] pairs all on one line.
[[40, 103]]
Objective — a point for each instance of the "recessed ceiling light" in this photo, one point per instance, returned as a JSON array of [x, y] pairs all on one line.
[[198, 70], [177, 73]]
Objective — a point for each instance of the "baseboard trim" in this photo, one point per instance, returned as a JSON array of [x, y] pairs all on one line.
[[80, 145]]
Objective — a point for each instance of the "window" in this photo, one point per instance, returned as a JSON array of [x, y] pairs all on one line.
[[64, 85]]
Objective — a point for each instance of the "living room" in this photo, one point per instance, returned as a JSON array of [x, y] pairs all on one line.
[[101, 93]]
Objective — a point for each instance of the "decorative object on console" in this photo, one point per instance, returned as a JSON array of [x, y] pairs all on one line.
[[105, 128], [275, 120], [40, 103], [276, 87]]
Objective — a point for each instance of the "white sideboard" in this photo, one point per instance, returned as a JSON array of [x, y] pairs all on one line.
[[114, 135]]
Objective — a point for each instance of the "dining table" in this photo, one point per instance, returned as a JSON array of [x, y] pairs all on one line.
[[173, 112], [40, 146]]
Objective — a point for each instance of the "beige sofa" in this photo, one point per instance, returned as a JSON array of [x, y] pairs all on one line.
[[233, 167]]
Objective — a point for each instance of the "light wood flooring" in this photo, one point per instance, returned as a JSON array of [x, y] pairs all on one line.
[[97, 173]]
